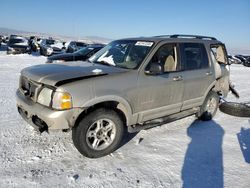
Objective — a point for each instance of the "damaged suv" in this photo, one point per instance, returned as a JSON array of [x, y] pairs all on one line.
[[131, 84]]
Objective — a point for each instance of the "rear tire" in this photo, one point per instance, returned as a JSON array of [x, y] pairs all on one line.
[[209, 106], [98, 134]]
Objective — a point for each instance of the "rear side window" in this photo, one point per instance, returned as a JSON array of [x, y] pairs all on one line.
[[194, 56]]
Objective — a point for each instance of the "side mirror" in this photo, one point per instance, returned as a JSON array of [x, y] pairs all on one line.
[[154, 69]]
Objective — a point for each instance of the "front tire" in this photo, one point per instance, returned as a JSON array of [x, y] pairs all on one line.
[[98, 134], [209, 106]]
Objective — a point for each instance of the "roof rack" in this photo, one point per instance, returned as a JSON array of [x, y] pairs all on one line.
[[188, 36]]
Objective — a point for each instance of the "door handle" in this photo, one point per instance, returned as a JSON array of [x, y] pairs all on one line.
[[177, 78], [209, 73]]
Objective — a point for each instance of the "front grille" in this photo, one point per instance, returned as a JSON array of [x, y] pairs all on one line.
[[29, 88]]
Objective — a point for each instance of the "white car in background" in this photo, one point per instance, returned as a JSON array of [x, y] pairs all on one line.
[[234, 60], [50, 47], [17, 45]]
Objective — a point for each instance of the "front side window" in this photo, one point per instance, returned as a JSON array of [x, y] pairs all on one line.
[[127, 54], [194, 56], [166, 57]]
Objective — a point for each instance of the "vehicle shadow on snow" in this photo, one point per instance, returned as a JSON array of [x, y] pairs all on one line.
[[244, 141], [127, 137], [203, 164]]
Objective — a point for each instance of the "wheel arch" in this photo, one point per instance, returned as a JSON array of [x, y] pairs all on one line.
[[216, 87], [118, 104]]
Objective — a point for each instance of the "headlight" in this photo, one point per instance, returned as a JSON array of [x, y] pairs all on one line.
[[44, 96], [58, 61], [49, 51], [62, 101]]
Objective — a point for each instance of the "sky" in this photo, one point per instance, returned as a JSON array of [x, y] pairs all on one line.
[[227, 20]]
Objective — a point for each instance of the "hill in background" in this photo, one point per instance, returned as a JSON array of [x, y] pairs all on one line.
[[87, 39]]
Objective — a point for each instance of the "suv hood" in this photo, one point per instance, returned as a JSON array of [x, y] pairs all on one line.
[[59, 74]]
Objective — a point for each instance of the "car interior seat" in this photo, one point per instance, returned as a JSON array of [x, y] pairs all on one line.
[[220, 56], [170, 64]]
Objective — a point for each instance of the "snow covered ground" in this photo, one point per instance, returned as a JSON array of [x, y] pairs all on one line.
[[185, 153]]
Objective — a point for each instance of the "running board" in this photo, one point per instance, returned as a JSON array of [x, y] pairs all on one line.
[[161, 121]]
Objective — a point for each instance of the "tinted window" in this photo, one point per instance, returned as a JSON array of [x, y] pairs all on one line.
[[49, 42], [12, 41], [194, 56], [80, 44]]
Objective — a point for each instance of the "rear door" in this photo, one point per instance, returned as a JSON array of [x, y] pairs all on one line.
[[198, 74]]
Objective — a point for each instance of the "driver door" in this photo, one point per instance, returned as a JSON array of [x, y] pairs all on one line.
[[161, 94]]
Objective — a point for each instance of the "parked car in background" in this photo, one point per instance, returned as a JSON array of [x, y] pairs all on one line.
[[13, 36], [34, 46], [241, 58], [247, 62], [1, 40], [17, 45], [80, 55], [75, 46], [50, 46], [5, 39], [234, 60]]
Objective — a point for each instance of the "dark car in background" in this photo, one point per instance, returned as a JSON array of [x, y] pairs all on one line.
[[80, 55], [247, 62], [241, 58], [50, 46], [1, 39], [234, 59], [17, 45], [75, 46]]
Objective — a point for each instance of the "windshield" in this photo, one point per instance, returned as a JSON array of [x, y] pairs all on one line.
[[16, 40], [127, 54], [80, 44], [84, 51], [50, 41]]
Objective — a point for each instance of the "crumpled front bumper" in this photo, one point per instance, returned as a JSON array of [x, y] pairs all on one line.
[[43, 118]]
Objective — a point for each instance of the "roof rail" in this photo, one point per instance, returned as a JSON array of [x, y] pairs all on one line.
[[163, 36], [187, 36]]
